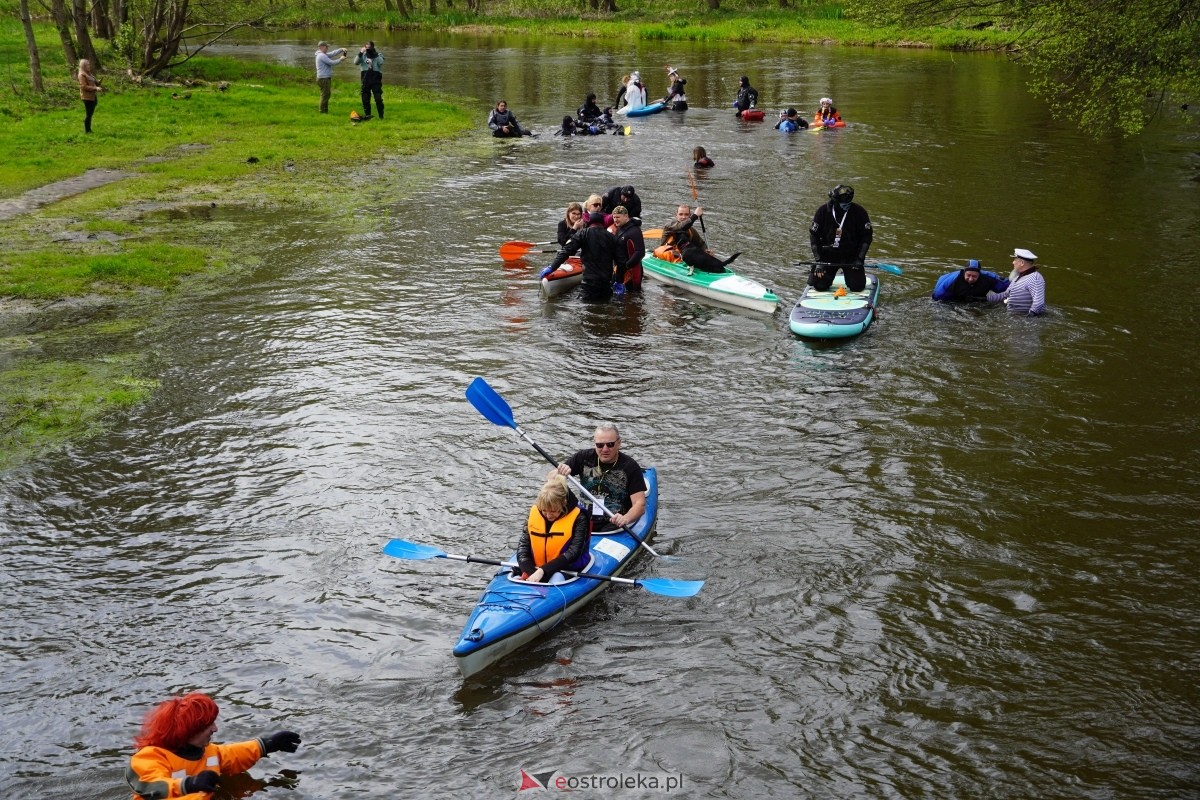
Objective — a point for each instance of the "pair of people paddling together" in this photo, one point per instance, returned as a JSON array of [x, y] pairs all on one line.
[[557, 531]]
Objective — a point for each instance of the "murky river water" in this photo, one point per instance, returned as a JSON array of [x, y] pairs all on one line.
[[955, 557]]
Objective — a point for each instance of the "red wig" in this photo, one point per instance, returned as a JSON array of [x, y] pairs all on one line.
[[173, 722]]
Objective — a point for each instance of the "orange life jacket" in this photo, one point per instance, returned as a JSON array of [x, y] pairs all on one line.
[[547, 544], [159, 772]]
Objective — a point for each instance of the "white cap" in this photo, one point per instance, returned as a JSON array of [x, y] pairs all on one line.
[[827, 100], [1021, 252]]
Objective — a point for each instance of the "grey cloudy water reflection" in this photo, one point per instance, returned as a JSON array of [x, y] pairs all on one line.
[[953, 558]]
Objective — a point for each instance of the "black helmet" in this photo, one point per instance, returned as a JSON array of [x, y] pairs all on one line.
[[841, 194], [627, 191], [745, 80], [791, 112]]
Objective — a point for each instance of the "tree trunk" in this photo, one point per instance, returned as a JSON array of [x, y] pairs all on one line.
[[62, 24], [101, 23], [35, 62], [86, 50], [714, 5], [610, 6], [350, 5]]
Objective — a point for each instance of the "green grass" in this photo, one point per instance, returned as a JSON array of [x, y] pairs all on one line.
[[661, 20], [47, 274]]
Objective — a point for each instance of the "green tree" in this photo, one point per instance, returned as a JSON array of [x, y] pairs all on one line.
[[1105, 64]]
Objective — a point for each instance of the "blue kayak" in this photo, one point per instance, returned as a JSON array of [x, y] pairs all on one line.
[[826, 315], [511, 613], [646, 111]]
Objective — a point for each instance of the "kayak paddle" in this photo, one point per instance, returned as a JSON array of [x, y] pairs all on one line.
[[512, 251], [413, 551], [879, 265], [495, 410]]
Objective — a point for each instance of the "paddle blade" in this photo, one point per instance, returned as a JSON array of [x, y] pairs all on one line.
[[670, 588], [490, 404], [892, 268], [513, 251], [411, 551], [653, 233]]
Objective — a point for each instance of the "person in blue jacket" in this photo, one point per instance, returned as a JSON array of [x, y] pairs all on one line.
[[970, 284]]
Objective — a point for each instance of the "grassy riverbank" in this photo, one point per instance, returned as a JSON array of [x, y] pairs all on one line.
[[660, 20], [217, 131]]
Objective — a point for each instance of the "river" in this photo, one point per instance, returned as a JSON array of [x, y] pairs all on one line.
[[955, 557]]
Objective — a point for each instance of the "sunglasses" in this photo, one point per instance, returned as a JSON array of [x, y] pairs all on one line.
[[594, 205], [605, 445]]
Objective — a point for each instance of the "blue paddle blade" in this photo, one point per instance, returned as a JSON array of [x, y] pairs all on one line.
[[490, 404], [892, 268], [670, 588], [399, 548]]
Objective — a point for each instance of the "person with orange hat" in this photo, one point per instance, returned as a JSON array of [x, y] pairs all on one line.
[[177, 759]]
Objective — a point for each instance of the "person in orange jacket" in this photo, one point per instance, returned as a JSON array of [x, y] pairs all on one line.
[[177, 759]]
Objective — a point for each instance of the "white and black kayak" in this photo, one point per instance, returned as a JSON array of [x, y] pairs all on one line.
[[837, 313]]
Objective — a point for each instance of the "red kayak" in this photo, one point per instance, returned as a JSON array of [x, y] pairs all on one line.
[[752, 115]]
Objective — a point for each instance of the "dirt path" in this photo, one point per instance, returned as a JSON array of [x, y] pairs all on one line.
[[53, 192]]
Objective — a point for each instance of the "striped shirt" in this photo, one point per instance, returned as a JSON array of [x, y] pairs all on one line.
[[1026, 295]]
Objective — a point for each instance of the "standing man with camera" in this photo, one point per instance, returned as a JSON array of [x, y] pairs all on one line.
[[325, 65], [370, 65]]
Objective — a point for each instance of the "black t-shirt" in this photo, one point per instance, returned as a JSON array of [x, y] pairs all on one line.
[[611, 485]]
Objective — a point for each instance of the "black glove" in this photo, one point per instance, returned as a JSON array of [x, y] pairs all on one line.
[[204, 782], [286, 741]]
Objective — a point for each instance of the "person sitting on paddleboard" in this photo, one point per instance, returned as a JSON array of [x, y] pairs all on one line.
[[970, 284], [1027, 292], [681, 234], [631, 245], [790, 121], [840, 236], [622, 196], [701, 159], [611, 476], [589, 111], [504, 123], [555, 536], [571, 223], [747, 97], [603, 269], [176, 756], [635, 93], [676, 100], [827, 115]]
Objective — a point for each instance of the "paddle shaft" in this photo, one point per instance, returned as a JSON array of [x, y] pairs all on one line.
[[696, 199], [495, 563]]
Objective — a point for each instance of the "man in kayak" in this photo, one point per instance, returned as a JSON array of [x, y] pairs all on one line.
[[747, 97], [1027, 292], [681, 234], [630, 245], [611, 476], [603, 264], [504, 123], [622, 196], [970, 284], [840, 236]]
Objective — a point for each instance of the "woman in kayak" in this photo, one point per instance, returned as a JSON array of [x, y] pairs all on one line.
[[827, 114], [555, 535], [571, 222]]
